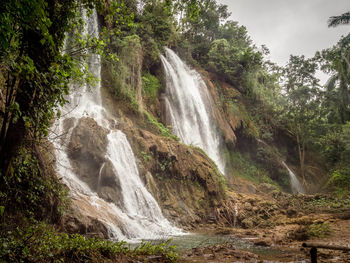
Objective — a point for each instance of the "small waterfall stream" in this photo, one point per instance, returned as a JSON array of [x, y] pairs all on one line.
[[137, 215], [188, 107], [294, 182]]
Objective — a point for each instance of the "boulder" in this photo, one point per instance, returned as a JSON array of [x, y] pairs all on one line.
[[109, 185], [183, 180], [83, 224], [87, 153], [87, 150]]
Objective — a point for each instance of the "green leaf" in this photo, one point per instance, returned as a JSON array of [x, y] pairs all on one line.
[[2, 210]]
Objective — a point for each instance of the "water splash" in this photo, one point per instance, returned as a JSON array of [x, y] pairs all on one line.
[[189, 109], [138, 215]]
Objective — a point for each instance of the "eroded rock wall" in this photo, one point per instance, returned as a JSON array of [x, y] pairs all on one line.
[[185, 182]]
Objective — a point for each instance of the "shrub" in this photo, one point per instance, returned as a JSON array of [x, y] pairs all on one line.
[[31, 190], [41, 243], [163, 130], [151, 86], [340, 181], [319, 230]]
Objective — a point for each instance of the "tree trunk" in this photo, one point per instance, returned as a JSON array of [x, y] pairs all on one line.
[[14, 138], [301, 152]]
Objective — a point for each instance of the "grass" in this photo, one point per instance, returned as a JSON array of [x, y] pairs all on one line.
[[165, 132]]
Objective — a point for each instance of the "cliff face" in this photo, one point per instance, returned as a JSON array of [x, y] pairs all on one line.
[[184, 181]]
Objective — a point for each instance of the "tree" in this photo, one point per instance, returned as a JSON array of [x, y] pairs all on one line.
[[339, 20], [302, 107], [202, 24], [34, 71], [336, 61], [233, 61]]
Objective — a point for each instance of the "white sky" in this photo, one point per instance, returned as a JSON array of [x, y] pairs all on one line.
[[297, 27]]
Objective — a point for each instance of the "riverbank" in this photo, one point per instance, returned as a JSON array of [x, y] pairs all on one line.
[[276, 235]]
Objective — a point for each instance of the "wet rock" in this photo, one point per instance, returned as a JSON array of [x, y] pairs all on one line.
[[226, 121], [87, 150], [80, 223], [263, 242], [183, 180], [109, 185], [197, 251]]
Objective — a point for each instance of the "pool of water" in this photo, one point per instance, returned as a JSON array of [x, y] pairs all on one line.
[[266, 254]]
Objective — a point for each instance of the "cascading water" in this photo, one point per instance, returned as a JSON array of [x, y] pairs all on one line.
[[137, 214], [188, 107], [294, 182]]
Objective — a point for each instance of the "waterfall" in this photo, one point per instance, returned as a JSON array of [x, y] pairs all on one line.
[[189, 109], [137, 214], [294, 182]]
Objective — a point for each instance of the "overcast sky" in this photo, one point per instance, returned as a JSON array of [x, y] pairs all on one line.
[[290, 26]]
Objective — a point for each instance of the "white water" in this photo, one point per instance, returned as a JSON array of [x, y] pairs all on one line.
[[294, 182], [188, 107], [139, 216]]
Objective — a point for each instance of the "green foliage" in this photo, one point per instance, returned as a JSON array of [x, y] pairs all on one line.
[[318, 230], [333, 201], [332, 146], [270, 158], [2, 210], [302, 108], [200, 22], [126, 73], [145, 156], [335, 62], [335, 147], [151, 86], [232, 61], [119, 19], [340, 181], [164, 249], [35, 70], [41, 243], [31, 191], [243, 166], [156, 29], [339, 20], [160, 127]]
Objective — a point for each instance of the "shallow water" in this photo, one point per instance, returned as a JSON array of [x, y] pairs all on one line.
[[266, 254]]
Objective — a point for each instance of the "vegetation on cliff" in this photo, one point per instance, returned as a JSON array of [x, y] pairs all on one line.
[[284, 113]]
